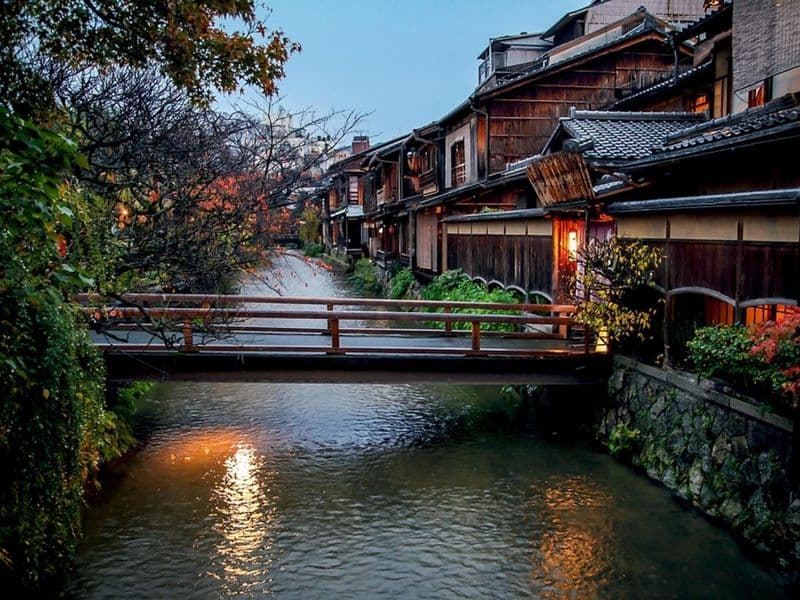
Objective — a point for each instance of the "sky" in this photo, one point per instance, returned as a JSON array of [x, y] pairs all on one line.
[[406, 62]]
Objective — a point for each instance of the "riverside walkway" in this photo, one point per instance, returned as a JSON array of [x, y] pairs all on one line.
[[310, 339]]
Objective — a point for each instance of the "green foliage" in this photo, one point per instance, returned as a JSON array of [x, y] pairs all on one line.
[[624, 441], [365, 276], [313, 250], [454, 286], [116, 436], [723, 350], [401, 283], [609, 286], [309, 227], [54, 428], [761, 358], [35, 211], [201, 45], [51, 418]]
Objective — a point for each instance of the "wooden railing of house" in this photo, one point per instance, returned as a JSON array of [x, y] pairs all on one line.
[[211, 323], [427, 182], [459, 174]]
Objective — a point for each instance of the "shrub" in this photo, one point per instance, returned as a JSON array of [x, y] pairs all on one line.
[[624, 441], [365, 276], [608, 289], [309, 227], [401, 283], [454, 286], [764, 357], [313, 249]]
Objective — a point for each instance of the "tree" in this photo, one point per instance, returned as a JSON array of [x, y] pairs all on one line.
[[52, 415], [309, 227], [610, 286], [183, 39], [188, 192]]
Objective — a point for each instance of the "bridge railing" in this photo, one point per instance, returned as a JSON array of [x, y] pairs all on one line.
[[215, 315]]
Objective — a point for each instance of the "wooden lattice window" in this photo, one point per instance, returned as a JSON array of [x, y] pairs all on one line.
[[458, 162]]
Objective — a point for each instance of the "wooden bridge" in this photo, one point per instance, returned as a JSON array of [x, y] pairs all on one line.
[[269, 338]]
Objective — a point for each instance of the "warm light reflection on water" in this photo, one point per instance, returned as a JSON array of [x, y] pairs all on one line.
[[243, 518], [572, 557]]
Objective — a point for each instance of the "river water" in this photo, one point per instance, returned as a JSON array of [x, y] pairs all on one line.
[[385, 491]]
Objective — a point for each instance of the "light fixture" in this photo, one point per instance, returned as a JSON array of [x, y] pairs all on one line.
[[572, 245]]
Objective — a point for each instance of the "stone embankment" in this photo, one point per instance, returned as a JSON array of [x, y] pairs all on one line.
[[723, 453]]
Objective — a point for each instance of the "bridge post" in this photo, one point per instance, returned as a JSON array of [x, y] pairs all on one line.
[[188, 341], [330, 309], [448, 326], [335, 347], [476, 336]]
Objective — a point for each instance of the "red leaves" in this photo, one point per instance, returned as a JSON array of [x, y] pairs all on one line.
[[778, 345]]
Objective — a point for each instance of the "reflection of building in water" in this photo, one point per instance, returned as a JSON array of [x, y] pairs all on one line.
[[573, 556]]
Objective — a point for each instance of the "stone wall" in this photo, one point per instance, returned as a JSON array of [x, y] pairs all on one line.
[[724, 454]]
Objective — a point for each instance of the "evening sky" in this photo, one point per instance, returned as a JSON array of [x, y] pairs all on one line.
[[408, 63]]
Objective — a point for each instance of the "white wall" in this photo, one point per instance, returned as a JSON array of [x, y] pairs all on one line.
[[467, 133]]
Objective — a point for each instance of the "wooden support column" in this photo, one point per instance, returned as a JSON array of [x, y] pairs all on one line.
[[330, 309], [335, 342], [476, 336], [188, 341]]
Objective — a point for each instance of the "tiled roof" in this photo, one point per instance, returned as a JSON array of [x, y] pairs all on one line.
[[782, 112], [624, 136]]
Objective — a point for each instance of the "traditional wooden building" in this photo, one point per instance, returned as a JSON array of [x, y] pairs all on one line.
[[344, 226], [706, 85], [721, 200], [511, 116]]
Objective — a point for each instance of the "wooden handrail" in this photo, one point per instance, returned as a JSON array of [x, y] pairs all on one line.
[[342, 315], [215, 314], [316, 301]]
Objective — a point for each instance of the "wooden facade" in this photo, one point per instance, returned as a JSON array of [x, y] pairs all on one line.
[[523, 114], [512, 252]]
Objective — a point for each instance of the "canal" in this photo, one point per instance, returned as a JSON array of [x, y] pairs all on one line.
[[385, 491]]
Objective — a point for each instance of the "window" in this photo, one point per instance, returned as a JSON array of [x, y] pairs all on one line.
[[759, 96], [721, 97], [718, 312], [701, 104], [768, 312], [458, 162]]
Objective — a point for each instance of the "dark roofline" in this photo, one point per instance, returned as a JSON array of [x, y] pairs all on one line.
[[638, 34], [701, 24], [775, 105], [601, 115], [364, 153], [551, 31], [785, 197], [503, 215], [479, 186], [788, 130], [666, 84], [463, 107], [714, 147]]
